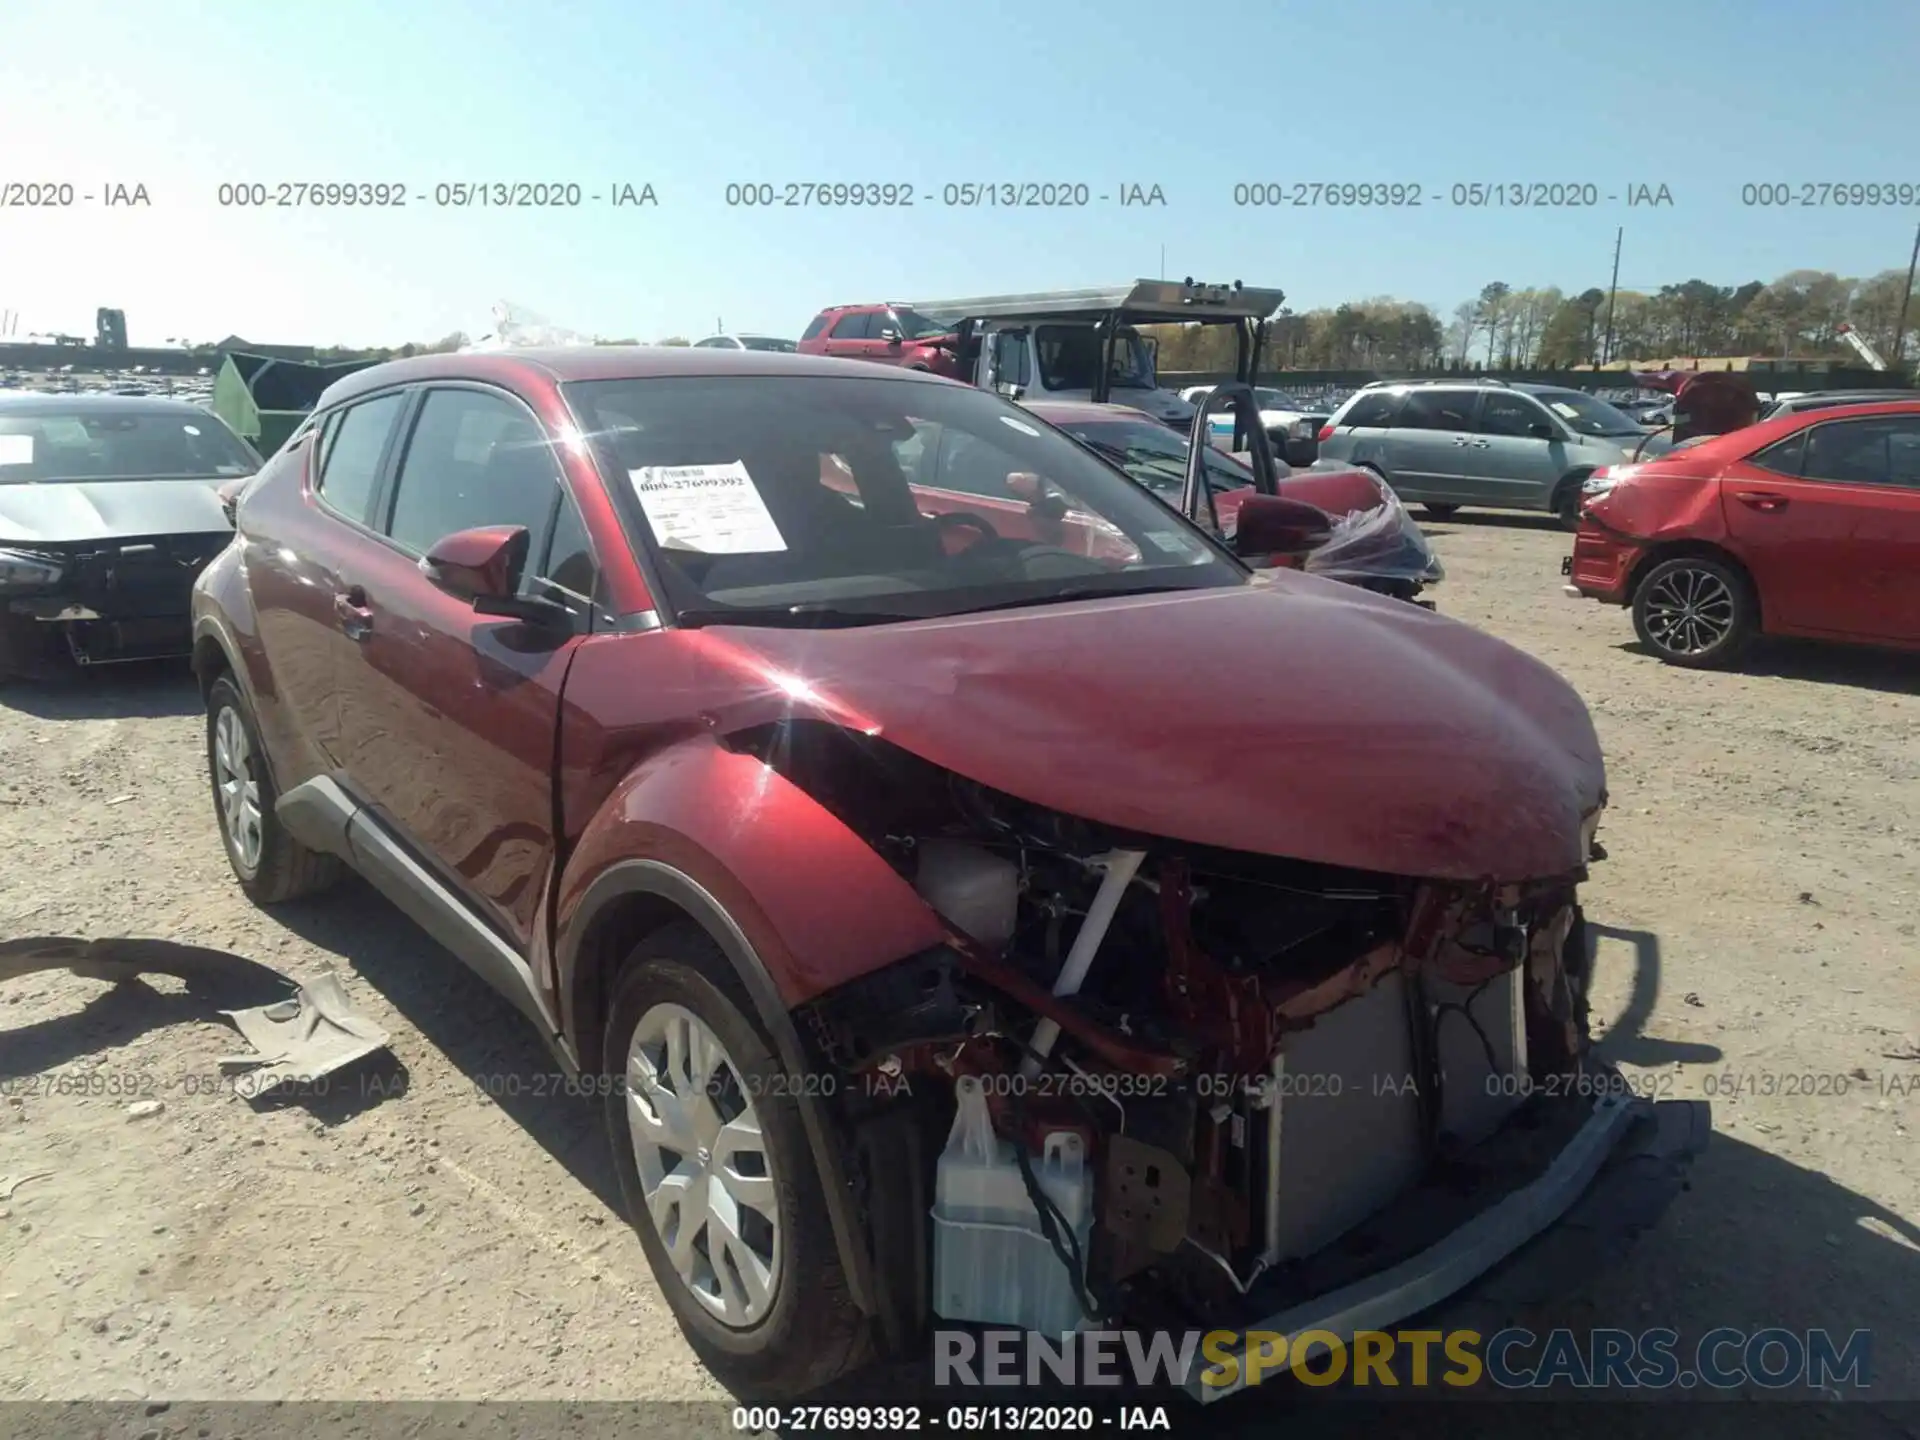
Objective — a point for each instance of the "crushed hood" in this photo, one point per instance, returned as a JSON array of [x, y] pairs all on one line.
[[63, 512], [1296, 717]]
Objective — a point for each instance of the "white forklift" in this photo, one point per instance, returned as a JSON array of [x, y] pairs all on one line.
[[1084, 345]]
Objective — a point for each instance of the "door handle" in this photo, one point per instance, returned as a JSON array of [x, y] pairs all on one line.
[[1481, 444], [1462, 441], [351, 610], [1765, 501]]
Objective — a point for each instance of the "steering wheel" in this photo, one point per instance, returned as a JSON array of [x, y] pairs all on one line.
[[967, 520]]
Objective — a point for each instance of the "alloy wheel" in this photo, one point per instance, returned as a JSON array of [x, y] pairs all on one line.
[[705, 1172], [239, 791], [1689, 612]]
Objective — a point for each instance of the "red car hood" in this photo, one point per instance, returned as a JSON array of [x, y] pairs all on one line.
[[1296, 717]]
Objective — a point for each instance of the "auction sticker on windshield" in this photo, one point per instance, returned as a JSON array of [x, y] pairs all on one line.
[[1562, 408], [711, 509], [16, 449]]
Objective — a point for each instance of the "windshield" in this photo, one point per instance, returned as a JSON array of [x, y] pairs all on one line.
[[914, 326], [850, 500], [1155, 456], [1070, 358], [102, 443], [1586, 415], [1276, 400], [762, 342]]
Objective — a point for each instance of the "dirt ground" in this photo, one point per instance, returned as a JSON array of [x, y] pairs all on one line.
[[1757, 939]]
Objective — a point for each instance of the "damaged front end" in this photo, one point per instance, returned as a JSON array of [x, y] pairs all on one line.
[[100, 602], [1146, 1083]]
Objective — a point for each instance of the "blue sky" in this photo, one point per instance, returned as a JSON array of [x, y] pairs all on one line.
[[689, 97]]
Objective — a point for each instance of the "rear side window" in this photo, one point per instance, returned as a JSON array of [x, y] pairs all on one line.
[[1437, 410], [475, 459], [813, 331], [854, 327], [1782, 457], [351, 450], [1376, 409]]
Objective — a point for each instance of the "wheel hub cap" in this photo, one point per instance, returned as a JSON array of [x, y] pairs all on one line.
[[705, 1173], [236, 789], [1689, 611]]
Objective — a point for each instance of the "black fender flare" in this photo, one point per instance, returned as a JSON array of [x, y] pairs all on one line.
[[653, 878]]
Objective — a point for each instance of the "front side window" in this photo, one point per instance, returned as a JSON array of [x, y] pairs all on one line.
[[1586, 414], [1879, 451], [1156, 457], [768, 344], [474, 459], [912, 325], [843, 500], [1070, 358]]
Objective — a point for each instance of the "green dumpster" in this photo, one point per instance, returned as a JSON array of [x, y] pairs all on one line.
[[264, 398]]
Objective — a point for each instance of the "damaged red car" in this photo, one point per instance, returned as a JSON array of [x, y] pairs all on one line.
[[1807, 525], [964, 926]]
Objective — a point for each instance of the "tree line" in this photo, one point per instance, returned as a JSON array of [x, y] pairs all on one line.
[[1506, 327]]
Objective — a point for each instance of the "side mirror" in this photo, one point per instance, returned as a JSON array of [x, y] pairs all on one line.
[[890, 335], [1540, 430], [1278, 525], [230, 493], [1045, 504], [484, 566]]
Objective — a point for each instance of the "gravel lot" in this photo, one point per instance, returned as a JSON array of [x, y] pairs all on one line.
[[1757, 921]]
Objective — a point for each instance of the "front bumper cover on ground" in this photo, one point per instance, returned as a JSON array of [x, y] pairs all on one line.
[[1614, 1178]]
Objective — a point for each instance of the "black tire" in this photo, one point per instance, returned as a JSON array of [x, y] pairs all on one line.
[[813, 1333], [1723, 603], [285, 869], [1439, 512], [1566, 502]]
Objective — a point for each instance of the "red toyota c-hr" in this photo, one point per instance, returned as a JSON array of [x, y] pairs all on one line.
[[822, 813], [1808, 525]]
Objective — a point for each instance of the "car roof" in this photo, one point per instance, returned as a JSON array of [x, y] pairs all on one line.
[[32, 401], [561, 364], [1814, 398]]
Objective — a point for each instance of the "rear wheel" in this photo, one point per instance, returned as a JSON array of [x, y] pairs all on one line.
[[270, 864], [718, 1176], [1695, 611]]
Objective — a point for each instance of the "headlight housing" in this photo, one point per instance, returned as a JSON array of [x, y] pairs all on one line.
[[24, 570], [1602, 480]]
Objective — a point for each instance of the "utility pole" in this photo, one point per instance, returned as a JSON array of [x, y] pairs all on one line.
[[1906, 300], [1613, 291]]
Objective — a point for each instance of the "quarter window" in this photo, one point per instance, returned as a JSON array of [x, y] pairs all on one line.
[[351, 451], [1783, 457]]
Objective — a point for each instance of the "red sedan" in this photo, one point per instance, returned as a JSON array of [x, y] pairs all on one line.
[[1808, 525]]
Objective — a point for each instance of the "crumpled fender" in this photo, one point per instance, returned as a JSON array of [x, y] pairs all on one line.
[[815, 903]]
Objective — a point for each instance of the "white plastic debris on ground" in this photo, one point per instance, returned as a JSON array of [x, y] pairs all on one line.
[[513, 327]]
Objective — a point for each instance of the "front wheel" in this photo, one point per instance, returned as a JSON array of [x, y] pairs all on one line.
[[718, 1176], [1566, 502], [1695, 611]]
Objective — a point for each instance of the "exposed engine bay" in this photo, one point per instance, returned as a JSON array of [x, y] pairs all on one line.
[[1148, 1079]]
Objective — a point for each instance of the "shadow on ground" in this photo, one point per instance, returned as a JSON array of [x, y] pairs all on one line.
[[1489, 520], [1889, 672], [136, 691], [465, 1020]]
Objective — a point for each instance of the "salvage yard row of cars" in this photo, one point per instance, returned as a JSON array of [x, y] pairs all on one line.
[[744, 715]]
